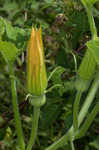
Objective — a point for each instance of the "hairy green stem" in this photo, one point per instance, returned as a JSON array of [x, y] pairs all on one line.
[[34, 127], [88, 122], [76, 110], [63, 140], [16, 110]]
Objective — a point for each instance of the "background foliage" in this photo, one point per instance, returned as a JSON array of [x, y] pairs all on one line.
[[65, 30]]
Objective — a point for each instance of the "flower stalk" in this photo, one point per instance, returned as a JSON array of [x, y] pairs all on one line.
[[34, 128]]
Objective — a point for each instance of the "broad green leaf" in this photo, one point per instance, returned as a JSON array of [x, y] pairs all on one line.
[[13, 33], [8, 51], [93, 46]]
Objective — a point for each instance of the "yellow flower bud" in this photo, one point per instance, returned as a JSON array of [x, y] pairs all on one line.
[[36, 70]]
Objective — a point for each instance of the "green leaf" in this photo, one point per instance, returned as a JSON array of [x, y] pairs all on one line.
[[92, 1], [8, 51], [2, 26], [56, 77], [13, 33], [9, 6], [49, 115], [93, 46], [78, 22]]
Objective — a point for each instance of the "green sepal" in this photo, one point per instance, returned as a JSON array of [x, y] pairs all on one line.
[[37, 101]]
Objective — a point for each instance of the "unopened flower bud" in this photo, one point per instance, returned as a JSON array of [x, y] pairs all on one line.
[[36, 70]]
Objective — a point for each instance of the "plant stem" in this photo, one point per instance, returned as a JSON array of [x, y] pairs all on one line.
[[72, 145], [34, 127], [92, 23], [88, 100], [63, 140], [16, 110], [91, 19], [88, 122], [76, 110]]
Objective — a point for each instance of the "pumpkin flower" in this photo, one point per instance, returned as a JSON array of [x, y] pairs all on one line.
[[36, 70]]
